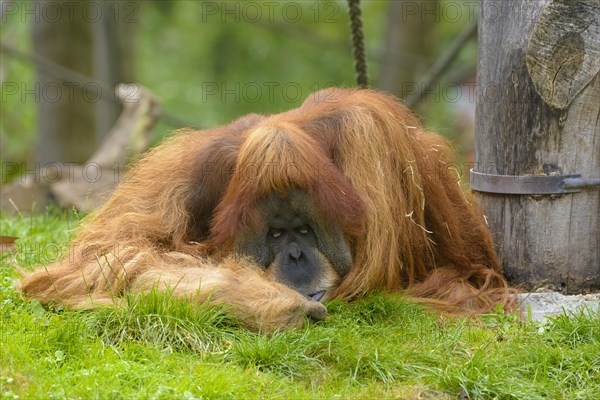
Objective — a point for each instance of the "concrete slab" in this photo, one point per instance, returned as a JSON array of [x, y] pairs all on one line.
[[547, 304]]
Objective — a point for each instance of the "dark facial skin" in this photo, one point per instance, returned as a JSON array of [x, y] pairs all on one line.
[[292, 246], [296, 246]]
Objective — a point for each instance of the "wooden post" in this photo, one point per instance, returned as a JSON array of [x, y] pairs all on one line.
[[538, 111]]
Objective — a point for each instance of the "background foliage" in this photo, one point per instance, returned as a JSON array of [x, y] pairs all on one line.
[[210, 62]]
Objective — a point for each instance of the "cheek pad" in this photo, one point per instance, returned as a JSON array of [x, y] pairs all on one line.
[[253, 244], [331, 243]]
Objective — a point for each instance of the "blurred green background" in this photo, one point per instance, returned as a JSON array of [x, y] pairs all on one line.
[[210, 62]]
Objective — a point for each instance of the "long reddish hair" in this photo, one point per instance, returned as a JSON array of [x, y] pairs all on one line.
[[370, 168]]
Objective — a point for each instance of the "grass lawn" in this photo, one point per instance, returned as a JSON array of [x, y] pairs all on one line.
[[378, 347]]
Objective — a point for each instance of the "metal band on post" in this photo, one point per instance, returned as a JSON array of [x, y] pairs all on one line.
[[530, 184]]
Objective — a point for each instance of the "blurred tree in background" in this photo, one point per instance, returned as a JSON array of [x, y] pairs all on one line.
[[210, 62], [96, 45]]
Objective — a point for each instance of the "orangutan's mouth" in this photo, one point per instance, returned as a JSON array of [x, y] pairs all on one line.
[[318, 296]]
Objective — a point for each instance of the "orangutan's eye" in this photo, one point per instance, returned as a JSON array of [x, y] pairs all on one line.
[[304, 229], [275, 233]]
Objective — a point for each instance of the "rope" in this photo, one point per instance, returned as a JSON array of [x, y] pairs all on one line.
[[358, 43]]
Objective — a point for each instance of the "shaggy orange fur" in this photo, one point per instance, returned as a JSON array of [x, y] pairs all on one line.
[[370, 168]]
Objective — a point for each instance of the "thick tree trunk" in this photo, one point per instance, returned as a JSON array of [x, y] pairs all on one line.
[[538, 111], [96, 40], [67, 114]]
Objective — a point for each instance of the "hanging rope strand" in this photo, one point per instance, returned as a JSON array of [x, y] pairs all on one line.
[[358, 43]]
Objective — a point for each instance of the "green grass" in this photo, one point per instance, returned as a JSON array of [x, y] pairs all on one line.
[[379, 347]]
